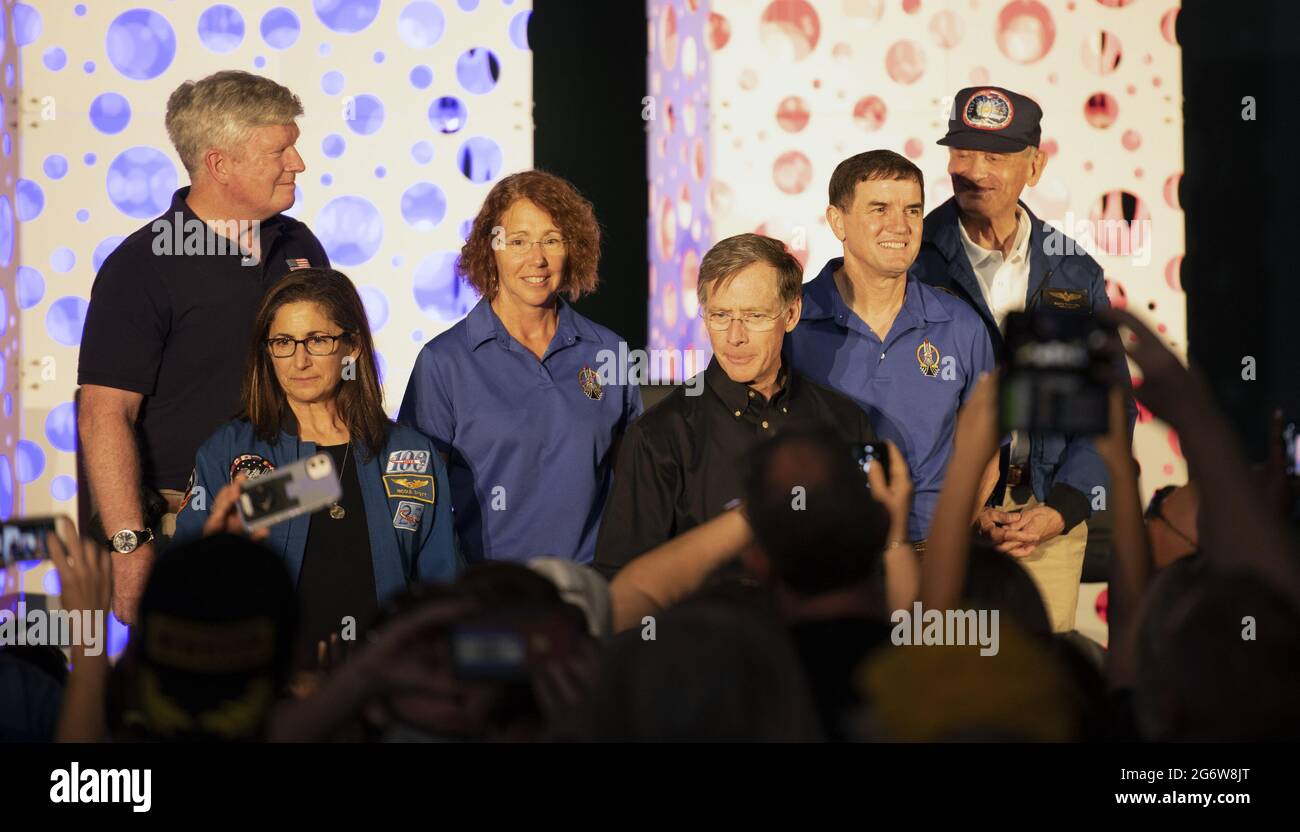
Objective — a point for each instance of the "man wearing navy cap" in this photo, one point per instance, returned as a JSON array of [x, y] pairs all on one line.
[[985, 246], [907, 353]]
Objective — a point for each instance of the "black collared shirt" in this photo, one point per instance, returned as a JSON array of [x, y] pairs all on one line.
[[683, 462], [176, 327]]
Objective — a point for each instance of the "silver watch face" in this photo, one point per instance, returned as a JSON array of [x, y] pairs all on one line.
[[125, 541]]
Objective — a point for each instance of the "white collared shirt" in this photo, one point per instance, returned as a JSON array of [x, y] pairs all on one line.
[[1005, 284], [1003, 280]]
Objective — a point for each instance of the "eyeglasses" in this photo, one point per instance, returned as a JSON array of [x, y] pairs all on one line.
[[752, 321], [519, 248], [315, 344]]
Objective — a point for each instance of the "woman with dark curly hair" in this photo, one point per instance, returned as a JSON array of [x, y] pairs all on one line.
[[514, 396]]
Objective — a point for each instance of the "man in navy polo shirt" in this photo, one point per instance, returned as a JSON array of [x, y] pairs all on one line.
[[908, 353], [172, 309], [988, 248]]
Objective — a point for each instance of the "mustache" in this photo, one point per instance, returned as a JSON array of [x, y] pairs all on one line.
[[961, 183]]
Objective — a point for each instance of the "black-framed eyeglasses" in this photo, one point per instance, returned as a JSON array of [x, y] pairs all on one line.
[[284, 347]]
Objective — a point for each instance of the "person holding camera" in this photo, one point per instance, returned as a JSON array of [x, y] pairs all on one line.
[[986, 247], [311, 387]]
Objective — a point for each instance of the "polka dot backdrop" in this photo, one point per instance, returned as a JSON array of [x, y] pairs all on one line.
[[755, 101], [414, 108]]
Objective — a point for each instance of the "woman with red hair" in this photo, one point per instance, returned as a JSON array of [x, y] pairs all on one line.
[[521, 396]]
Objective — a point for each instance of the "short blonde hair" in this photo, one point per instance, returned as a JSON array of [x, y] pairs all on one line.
[[220, 110]]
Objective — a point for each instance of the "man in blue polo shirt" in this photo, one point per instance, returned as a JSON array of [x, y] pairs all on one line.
[[908, 353], [984, 246]]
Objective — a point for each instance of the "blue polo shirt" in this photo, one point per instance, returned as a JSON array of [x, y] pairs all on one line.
[[911, 385], [529, 443]]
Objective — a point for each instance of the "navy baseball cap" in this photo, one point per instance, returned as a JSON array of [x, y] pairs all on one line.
[[993, 119]]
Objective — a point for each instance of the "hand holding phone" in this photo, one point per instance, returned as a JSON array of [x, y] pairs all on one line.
[[306, 486], [26, 539]]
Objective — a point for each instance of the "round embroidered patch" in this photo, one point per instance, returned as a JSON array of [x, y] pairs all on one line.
[[988, 110]]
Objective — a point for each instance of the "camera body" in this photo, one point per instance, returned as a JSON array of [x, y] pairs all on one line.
[[1057, 375]]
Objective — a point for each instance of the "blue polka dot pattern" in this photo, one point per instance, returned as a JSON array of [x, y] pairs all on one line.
[[346, 16], [63, 487], [141, 181], [421, 24], [110, 113], [350, 228], [280, 28], [141, 44], [478, 70], [221, 28], [55, 166], [388, 141], [61, 427]]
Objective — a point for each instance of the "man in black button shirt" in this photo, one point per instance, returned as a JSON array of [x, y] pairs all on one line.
[[682, 462], [172, 308]]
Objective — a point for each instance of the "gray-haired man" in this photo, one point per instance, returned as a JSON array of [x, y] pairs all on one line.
[[172, 308]]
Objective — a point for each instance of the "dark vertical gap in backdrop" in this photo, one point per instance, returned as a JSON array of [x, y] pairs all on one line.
[[589, 76], [1238, 196]]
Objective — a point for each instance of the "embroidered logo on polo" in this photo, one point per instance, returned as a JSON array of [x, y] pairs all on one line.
[[251, 465], [408, 516], [296, 263], [409, 487], [927, 355], [988, 110], [408, 462], [590, 381]]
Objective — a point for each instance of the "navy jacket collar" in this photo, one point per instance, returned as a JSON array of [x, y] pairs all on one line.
[[941, 233]]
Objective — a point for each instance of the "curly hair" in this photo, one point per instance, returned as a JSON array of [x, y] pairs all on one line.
[[572, 214]]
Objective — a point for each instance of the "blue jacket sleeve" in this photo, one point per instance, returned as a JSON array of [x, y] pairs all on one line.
[[438, 558], [210, 476]]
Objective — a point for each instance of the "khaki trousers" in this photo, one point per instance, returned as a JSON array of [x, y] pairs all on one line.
[[1056, 567]]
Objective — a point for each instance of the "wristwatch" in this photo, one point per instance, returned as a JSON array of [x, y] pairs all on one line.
[[127, 541]]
